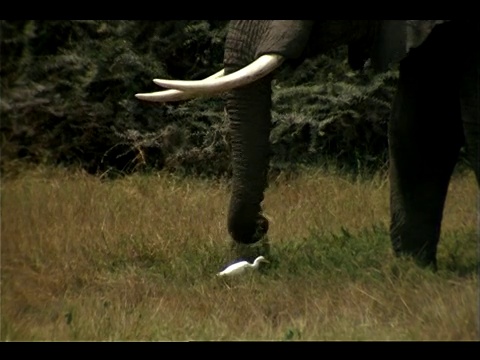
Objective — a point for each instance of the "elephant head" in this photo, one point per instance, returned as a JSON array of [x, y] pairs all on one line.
[[253, 50]]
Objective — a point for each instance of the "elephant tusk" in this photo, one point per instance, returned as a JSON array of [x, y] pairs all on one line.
[[175, 95], [165, 96], [216, 75], [259, 68]]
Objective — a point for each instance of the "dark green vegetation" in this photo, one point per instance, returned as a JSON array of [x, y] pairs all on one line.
[[68, 99]]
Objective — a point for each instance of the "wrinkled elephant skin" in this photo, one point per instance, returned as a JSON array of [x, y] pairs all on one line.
[[435, 113]]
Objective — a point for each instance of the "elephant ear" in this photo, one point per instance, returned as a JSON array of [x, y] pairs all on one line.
[[395, 38]]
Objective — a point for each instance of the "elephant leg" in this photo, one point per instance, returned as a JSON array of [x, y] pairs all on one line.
[[425, 136], [470, 92]]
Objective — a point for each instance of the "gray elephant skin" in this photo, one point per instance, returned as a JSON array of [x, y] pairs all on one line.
[[435, 112]]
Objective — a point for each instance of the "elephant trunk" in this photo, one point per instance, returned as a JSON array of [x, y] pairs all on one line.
[[249, 111], [250, 123]]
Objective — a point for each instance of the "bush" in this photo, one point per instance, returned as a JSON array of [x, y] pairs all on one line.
[[327, 113], [68, 99], [68, 90]]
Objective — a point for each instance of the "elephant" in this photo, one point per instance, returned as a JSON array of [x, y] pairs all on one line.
[[435, 112]]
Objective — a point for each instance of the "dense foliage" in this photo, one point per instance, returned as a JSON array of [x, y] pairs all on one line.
[[67, 97]]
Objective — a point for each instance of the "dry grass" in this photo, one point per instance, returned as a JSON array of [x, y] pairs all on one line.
[[134, 259]]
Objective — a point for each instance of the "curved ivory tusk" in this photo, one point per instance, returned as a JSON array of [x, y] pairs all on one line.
[[254, 71], [174, 95], [166, 95], [216, 75]]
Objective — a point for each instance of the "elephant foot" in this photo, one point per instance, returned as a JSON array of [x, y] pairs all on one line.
[[249, 252]]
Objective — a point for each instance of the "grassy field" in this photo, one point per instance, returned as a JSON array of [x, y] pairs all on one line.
[[135, 259]]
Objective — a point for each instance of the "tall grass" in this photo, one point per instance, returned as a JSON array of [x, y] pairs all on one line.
[[135, 259]]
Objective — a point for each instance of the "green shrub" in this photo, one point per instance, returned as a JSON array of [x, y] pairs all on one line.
[[327, 113], [68, 98]]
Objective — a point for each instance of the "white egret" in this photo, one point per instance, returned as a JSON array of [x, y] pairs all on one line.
[[241, 266]]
